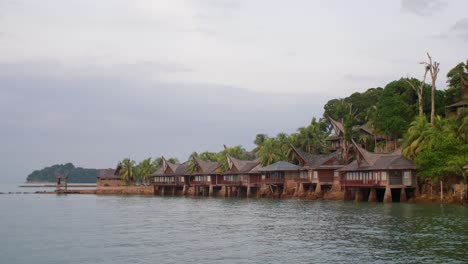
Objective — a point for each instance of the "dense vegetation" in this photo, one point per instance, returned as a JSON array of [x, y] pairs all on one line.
[[75, 174], [401, 110]]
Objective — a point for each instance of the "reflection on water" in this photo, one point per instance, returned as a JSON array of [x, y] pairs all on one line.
[[133, 229]]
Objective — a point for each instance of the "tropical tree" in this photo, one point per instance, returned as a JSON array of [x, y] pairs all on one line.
[[144, 170], [417, 136], [192, 166], [127, 170], [270, 151], [312, 138], [208, 156], [237, 152], [173, 160], [455, 79]]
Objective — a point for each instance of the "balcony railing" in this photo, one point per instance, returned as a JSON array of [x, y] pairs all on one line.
[[198, 183], [172, 183], [363, 183], [272, 181]]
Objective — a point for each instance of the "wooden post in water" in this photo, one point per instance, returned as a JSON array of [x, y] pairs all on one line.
[[359, 197], [372, 195], [318, 190], [441, 191], [388, 194], [403, 195]]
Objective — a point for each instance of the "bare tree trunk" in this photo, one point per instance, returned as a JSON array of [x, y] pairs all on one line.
[[420, 91], [434, 70]]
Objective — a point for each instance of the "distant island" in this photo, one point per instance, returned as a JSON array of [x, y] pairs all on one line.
[[75, 174]]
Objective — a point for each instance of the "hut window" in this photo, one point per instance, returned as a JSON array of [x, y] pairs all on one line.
[[303, 175], [384, 175], [336, 173], [315, 175], [407, 178], [208, 178]]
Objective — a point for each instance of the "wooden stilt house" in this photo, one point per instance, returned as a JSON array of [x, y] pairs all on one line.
[[205, 178], [242, 178], [280, 178], [170, 178], [383, 177], [321, 171]]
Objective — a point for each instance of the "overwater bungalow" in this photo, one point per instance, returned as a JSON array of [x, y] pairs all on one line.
[[241, 180], [170, 178], [109, 177], [203, 180], [379, 177], [321, 172], [280, 178]]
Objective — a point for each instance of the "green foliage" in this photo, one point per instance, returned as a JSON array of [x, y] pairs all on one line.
[[237, 152], [75, 174], [144, 169], [454, 83], [128, 170], [393, 115], [192, 166], [311, 139], [437, 149], [208, 156], [361, 103], [273, 149]]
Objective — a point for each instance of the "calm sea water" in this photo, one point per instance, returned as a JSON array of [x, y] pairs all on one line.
[[37, 228]]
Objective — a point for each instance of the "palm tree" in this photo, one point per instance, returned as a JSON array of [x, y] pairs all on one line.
[[144, 170], [417, 137], [270, 152], [192, 165], [127, 170]]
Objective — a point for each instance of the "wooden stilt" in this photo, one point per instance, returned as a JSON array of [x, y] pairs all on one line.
[[372, 195], [403, 195], [359, 197], [388, 195]]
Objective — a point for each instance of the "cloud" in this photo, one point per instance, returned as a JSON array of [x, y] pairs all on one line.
[[460, 25], [94, 116], [423, 7]]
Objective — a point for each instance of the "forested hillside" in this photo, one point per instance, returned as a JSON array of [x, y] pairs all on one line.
[[75, 174]]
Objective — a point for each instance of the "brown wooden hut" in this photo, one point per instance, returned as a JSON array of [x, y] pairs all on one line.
[[321, 171], [109, 178], [170, 178], [383, 177], [241, 180], [204, 179], [280, 178]]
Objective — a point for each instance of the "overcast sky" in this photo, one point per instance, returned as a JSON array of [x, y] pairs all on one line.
[[92, 82]]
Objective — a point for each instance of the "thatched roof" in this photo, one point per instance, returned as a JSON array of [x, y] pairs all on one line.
[[108, 174], [337, 126], [171, 169], [316, 160], [281, 166], [241, 166], [371, 161], [206, 167]]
